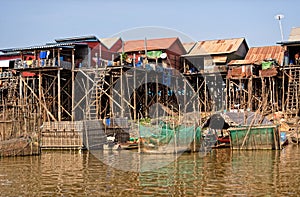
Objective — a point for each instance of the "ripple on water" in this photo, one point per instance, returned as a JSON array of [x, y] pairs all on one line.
[[221, 172]]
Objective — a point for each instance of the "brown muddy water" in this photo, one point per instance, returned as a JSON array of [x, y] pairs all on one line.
[[220, 173]]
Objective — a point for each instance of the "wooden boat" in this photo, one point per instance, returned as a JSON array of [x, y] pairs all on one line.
[[223, 142], [129, 146], [22, 146], [255, 137]]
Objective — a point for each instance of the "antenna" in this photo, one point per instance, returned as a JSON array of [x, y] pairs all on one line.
[[279, 17]]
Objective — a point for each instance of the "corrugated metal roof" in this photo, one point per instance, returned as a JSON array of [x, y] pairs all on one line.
[[152, 44], [188, 46], [10, 54], [256, 55], [240, 62], [109, 42], [47, 46], [213, 47], [295, 34], [78, 39]]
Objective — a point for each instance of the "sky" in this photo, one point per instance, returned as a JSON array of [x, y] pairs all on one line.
[[31, 22]]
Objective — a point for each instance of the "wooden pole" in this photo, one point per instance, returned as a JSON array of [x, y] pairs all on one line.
[[146, 81], [283, 92], [250, 93], [73, 85], [40, 93], [122, 91], [184, 97], [205, 94], [146, 94], [134, 88], [59, 88], [156, 97], [250, 126]]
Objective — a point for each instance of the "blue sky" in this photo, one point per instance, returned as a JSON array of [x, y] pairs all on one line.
[[31, 22]]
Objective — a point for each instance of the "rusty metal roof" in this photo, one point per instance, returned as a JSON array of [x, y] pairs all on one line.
[[256, 55], [151, 44], [214, 47]]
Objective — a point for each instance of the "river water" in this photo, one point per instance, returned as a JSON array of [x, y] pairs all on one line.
[[221, 172]]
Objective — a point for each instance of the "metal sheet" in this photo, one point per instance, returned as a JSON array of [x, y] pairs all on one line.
[[213, 47], [256, 55], [295, 34], [151, 44]]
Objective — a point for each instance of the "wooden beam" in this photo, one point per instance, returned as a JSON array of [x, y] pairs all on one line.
[[33, 93]]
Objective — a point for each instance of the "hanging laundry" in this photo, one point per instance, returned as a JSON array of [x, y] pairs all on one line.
[[43, 54], [154, 54]]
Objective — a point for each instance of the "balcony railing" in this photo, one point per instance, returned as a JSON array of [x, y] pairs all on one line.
[[19, 64]]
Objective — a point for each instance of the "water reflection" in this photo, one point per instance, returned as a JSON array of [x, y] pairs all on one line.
[[222, 172]]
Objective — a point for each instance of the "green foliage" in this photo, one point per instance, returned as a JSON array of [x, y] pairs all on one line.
[[124, 56], [145, 121]]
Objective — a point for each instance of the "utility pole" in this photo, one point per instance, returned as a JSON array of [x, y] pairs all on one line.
[[279, 17]]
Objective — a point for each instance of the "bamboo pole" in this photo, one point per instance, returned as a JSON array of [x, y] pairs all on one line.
[[249, 128], [134, 88], [156, 98], [33, 93], [122, 92], [59, 95], [73, 86], [283, 92]]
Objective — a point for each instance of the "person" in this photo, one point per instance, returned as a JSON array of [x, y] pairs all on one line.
[[286, 58], [297, 58]]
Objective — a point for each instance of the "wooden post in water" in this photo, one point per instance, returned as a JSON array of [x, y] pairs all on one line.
[[59, 88], [297, 129]]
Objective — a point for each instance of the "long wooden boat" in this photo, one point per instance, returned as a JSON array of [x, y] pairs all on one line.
[[22, 146]]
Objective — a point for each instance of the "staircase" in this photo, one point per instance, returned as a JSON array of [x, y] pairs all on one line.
[[96, 93], [293, 92]]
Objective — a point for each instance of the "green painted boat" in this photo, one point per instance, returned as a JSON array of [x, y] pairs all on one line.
[[255, 137]]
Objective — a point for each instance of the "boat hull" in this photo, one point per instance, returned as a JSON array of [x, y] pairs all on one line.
[[255, 137]]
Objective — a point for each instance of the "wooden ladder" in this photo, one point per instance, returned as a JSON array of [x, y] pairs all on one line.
[[97, 91], [293, 93]]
